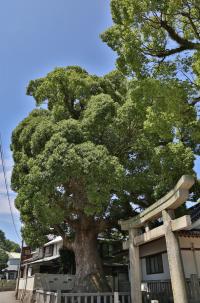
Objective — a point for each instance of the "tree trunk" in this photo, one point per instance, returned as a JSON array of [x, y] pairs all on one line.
[[89, 271]]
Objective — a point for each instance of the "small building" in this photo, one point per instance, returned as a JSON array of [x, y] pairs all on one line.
[[11, 270], [153, 255], [47, 260], [44, 270]]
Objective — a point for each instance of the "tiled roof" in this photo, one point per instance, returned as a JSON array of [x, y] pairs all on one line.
[[194, 233]]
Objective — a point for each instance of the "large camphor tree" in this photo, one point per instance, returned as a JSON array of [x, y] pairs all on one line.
[[96, 148]]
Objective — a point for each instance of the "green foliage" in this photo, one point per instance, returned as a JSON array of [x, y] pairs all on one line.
[[3, 259], [155, 37], [101, 145], [8, 245]]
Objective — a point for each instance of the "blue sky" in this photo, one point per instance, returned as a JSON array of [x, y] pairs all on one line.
[[35, 37]]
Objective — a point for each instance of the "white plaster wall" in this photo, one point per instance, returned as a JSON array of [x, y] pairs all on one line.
[[188, 266], [189, 262], [47, 282], [162, 276], [52, 282], [27, 284], [56, 248]]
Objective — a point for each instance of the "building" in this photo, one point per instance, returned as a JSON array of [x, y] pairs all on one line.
[[154, 259], [47, 260], [11, 270], [44, 269]]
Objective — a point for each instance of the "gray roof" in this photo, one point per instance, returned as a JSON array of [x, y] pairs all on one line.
[[11, 268]]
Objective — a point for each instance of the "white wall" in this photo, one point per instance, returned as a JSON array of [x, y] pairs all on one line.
[[190, 252], [56, 248], [48, 282], [27, 284], [51, 282], [162, 276]]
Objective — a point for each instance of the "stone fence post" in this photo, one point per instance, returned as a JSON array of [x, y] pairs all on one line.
[[58, 296], [116, 297], [195, 288]]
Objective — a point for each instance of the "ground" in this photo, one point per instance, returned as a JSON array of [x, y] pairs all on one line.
[[8, 297]]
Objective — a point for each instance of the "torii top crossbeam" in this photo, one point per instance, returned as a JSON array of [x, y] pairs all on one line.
[[171, 200]]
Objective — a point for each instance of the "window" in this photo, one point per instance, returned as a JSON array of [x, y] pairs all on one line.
[[106, 250], [11, 276], [49, 250], [154, 264]]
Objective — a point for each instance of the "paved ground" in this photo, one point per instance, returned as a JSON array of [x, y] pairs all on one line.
[[7, 297]]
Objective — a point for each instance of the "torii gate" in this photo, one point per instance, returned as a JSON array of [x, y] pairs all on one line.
[[163, 208]]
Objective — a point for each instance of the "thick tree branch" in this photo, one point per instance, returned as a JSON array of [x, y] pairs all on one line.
[[167, 52], [67, 243], [104, 224], [177, 38], [184, 44]]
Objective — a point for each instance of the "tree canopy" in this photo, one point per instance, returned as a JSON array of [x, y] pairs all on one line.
[[101, 144], [8, 245], [156, 37], [3, 259], [96, 148]]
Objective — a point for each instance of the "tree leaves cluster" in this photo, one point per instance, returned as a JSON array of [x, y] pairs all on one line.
[[3, 259], [146, 33], [96, 148], [101, 145], [7, 244]]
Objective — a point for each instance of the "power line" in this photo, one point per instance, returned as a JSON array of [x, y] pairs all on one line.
[[6, 186]]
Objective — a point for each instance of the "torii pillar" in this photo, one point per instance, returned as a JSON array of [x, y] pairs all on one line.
[[135, 268], [174, 259], [163, 208]]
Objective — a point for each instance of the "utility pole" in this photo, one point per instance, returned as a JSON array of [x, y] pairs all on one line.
[[19, 271]]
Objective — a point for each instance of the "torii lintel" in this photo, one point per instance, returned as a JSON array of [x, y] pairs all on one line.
[[171, 200]]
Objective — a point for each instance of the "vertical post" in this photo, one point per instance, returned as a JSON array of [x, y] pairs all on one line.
[[135, 270], [58, 296], [195, 259], [116, 297], [174, 258], [19, 271], [195, 291], [37, 296]]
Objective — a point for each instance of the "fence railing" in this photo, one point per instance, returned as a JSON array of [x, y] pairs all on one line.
[[46, 297], [50, 297], [162, 290], [157, 290]]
